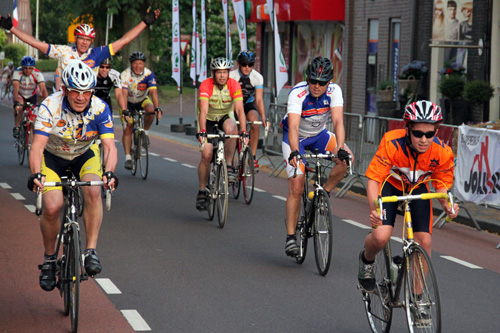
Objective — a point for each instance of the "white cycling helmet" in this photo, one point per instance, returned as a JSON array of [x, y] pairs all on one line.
[[78, 75], [220, 63]]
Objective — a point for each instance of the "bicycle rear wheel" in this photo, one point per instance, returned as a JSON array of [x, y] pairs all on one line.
[[143, 155], [237, 165], [222, 194], [21, 144], [248, 175], [80, 202], [212, 186], [377, 308], [422, 303], [322, 231]]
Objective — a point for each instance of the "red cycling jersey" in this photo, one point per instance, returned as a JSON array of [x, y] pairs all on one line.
[[220, 101]]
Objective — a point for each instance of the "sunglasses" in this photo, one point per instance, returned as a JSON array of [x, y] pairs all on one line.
[[28, 67], [419, 134], [321, 83], [247, 64], [105, 67], [75, 93]]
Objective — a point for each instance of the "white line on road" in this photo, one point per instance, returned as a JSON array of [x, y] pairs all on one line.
[[188, 166], [397, 239], [258, 189], [153, 154], [357, 224], [461, 262], [279, 197], [18, 196], [5, 185], [31, 208], [108, 286], [169, 159], [135, 320]]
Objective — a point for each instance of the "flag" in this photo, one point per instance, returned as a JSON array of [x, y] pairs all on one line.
[[14, 15], [239, 13], [176, 44], [194, 49], [279, 60], [203, 62], [229, 50]]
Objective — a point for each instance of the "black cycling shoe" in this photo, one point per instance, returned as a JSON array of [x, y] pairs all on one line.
[[92, 263], [201, 201], [48, 275]]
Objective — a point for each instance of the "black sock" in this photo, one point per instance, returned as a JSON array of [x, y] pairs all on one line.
[[366, 261], [201, 192], [288, 237], [51, 257]]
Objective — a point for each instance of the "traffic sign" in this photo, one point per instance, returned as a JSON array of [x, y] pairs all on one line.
[[184, 45]]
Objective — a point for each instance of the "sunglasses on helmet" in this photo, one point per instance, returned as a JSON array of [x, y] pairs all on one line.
[[419, 134]]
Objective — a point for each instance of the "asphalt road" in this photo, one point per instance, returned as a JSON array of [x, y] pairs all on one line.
[[182, 273]]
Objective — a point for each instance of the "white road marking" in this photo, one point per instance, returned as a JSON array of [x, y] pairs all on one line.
[[135, 320], [357, 224], [18, 196], [188, 166], [258, 189], [31, 208], [153, 154], [108, 286], [397, 239], [5, 185], [169, 159], [279, 197], [461, 262]]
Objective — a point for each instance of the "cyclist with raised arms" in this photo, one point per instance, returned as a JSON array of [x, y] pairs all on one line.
[[84, 37], [218, 95], [252, 87], [9, 69], [68, 122], [138, 82], [409, 155], [107, 78], [27, 82], [310, 104]]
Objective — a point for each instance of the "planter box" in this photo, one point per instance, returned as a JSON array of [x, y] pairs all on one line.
[[387, 109], [410, 86]]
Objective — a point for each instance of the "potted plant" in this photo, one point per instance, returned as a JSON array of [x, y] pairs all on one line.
[[385, 91], [452, 87], [410, 77], [476, 93]]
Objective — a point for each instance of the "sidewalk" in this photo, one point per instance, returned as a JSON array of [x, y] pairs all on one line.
[[488, 218]]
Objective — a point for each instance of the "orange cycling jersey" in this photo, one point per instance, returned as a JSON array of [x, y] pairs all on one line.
[[394, 156], [220, 101]]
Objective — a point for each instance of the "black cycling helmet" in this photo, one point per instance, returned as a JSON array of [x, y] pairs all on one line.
[[320, 69], [107, 61], [137, 55], [423, 112], [246, 57]]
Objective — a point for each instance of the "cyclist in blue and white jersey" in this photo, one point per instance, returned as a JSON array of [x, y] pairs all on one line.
[[310, 104], [252, 87]]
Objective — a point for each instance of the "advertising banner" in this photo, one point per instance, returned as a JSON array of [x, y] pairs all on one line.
[[203, 63], [194, 47], [176, 44], [279, 60], [239, 13]]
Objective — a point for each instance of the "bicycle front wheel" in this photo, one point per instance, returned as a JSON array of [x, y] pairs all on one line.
[[301, 232], [143, 155], [422, 303], [248, 175], [134, 151], [21, 144], [377, 308], [73, 277], [222, 194], [322, 231], [212, 186], [237, 165]]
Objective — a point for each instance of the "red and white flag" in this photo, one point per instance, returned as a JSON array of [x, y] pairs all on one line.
[[14, 15]]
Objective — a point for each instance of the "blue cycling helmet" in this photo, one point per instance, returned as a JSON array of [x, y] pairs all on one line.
[[27, 61], [246, 57]]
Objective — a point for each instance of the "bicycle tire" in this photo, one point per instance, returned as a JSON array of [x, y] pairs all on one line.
[[74, 262], [21, 144], [133, 151], [301, 231], [143, 155], [418, 281], [222, 194], [212, 185], [322, 231], [248, 174], [80, 202], [237, 165], [29, 139], [378, 311]]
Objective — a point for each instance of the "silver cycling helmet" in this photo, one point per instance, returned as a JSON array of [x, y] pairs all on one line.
[[78, 75], [220, 63]]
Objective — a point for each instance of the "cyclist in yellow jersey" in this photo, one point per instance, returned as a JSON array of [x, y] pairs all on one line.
[[218, 94]]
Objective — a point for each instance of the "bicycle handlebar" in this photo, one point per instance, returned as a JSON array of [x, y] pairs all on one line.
[[327, 154]]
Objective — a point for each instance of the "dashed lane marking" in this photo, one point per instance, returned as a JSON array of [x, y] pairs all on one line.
[[256, 189], [169, 159], [108, 286], [31, 208], [357, 224], [153, 154], [188, 166], [279, 197], [461, 262], [135, 320], [5, 185], [18, 196]]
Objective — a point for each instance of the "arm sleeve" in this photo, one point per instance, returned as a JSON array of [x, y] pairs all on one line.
[[381, 164], [444, 172]]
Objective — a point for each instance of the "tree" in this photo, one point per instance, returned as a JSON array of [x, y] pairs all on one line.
[[54, 19]]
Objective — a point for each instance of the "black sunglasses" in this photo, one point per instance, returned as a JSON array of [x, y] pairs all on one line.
[[419, 134], [250, 64], [321, 83], [105, 66]]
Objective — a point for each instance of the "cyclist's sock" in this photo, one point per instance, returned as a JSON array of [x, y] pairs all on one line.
[[47, 257], [200, 192], [128, 157], [288, 237], [147, 132], [365, 261], [90, 251]]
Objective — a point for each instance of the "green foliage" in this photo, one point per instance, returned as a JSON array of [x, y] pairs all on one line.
[[54, 20], [15, 52], [477, 92], [384, 85], [46, 65], [3, 39], [452, 86]]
